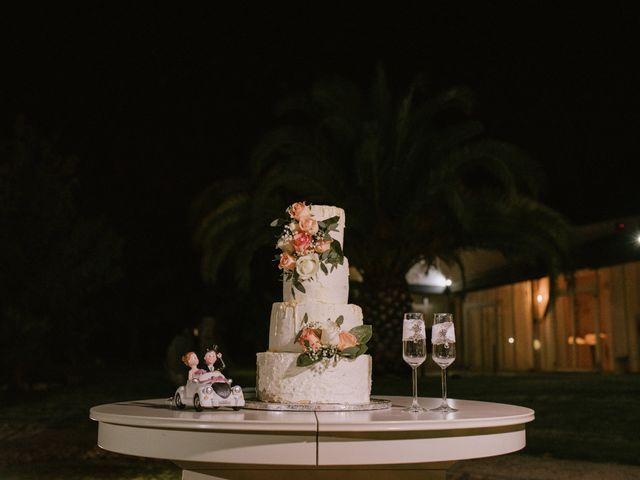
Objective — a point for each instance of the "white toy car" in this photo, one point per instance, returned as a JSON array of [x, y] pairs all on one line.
[[205, 391]]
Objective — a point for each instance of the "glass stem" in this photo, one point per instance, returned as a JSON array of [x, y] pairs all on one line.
[[444, 386], [415, 387]]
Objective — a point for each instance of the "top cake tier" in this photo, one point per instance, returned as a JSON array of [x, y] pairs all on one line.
[[313, 265], [331, 287]]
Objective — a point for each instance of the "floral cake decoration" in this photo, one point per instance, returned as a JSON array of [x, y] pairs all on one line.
[[306, 245], [328, 340]]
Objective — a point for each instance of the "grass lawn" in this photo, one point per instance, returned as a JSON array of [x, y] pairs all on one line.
[[48, 435], [580, 416]]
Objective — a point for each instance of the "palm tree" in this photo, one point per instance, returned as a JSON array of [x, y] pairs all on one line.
[[417, 179]]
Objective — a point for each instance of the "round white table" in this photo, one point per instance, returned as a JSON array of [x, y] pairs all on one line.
[[249, 444]]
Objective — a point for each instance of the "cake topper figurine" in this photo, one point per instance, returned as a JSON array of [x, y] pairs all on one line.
[[207, 387]]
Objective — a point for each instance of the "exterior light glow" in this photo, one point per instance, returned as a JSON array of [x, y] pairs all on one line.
[[196, 332], [537, 345], [511, 340], [638, 239], [448, 282], [539, 298]]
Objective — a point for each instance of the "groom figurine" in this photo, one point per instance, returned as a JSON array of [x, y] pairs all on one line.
[[210, 357]]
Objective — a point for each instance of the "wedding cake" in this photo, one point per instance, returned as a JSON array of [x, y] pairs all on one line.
[[317, 341]]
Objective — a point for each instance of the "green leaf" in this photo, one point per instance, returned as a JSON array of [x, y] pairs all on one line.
[[351, 352], [305, 319], [323, 267], [362, 349], [278, 222], [335, 247], [339, 320], [299, 286], [329, 223], [304, 360], [362, 333]]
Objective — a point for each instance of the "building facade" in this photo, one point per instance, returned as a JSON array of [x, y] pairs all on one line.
[[593, 324]]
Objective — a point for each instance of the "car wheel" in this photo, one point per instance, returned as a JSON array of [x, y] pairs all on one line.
[[177, 401], [196, 402], [236, 408]]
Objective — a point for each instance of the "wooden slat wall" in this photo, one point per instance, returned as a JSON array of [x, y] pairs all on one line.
[[489, 317]]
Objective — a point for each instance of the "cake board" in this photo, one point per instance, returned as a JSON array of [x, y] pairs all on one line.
[[374, 404]]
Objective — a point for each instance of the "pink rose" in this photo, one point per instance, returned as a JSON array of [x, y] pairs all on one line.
[[302, 242], [323, 246], [299, 209], [346, 340], [287, 262], [311, 336], [308, 224]]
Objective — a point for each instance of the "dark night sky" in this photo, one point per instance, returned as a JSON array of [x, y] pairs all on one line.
[[158, 102]]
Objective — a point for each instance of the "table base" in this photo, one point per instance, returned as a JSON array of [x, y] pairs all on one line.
[[418, 471]]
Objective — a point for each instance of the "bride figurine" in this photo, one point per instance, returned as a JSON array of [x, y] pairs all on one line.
[[190, 359]]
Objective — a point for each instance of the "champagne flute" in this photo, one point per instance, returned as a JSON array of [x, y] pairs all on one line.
[[443, 340], [414, 351]]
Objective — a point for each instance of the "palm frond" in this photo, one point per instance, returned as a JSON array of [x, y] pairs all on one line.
[[337, 96], [213, 195], [218, 231], [459, 100], [245, 254], [281, 143], [415, 174], [291, 179], [214, 258]]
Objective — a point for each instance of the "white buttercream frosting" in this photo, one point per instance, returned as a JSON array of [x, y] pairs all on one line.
[[286, 321], [280, 380], [324, 288]]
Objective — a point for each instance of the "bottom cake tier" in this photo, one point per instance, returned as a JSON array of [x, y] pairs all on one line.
[[280, 380]]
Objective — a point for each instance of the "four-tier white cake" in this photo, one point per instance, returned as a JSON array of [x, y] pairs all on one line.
[[316, 339]]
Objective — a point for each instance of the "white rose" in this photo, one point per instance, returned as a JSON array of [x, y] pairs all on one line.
[[307, 266], [330, 335]]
